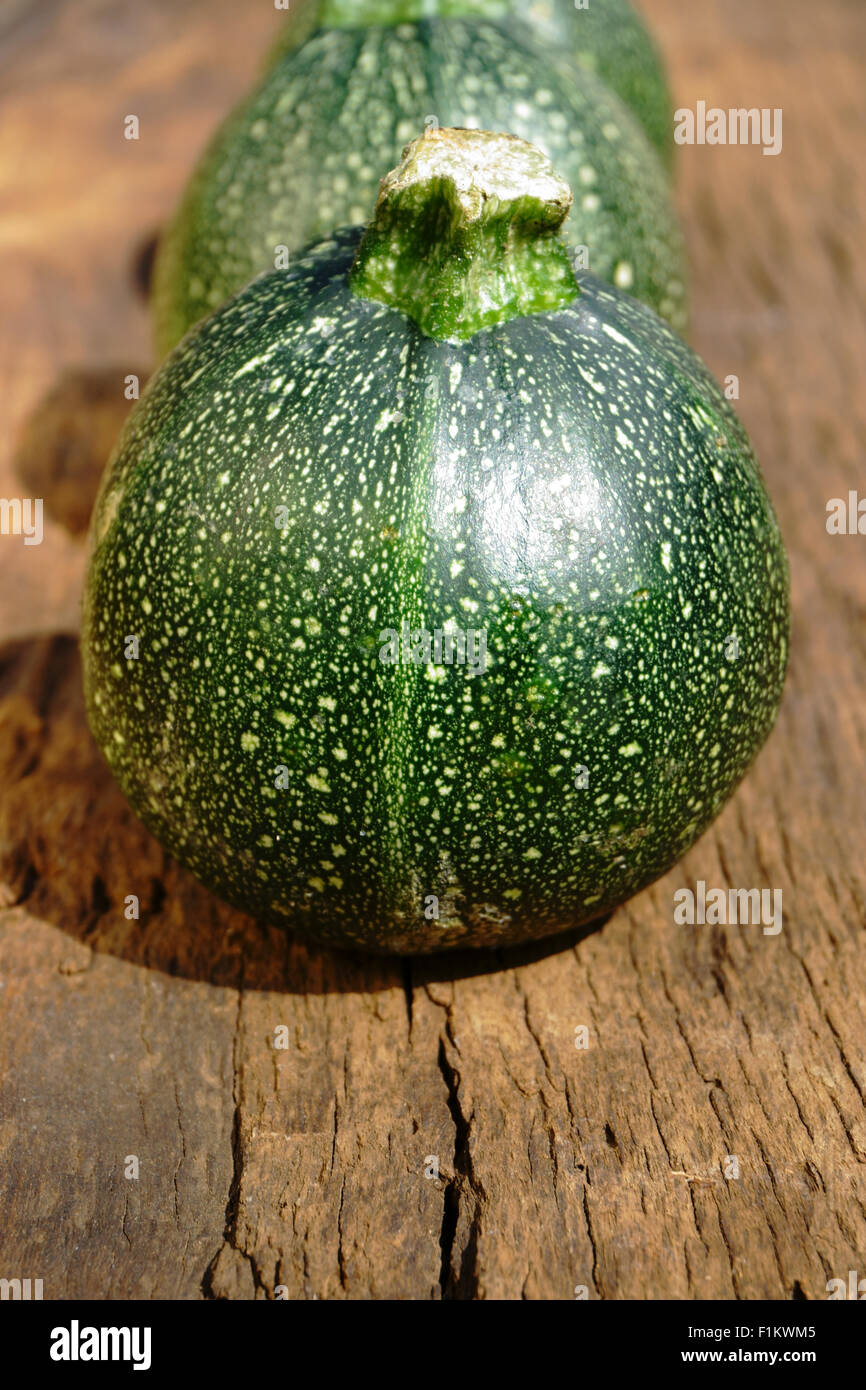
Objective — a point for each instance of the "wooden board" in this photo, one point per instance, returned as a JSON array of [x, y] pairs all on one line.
[[431, 1130]]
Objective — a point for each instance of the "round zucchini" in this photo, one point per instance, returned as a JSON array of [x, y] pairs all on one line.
[[434, 596], [607, 37], [305, 152]]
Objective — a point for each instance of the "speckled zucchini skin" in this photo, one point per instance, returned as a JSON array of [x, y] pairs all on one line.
[[607, 37], [304, 154], [572, 483]]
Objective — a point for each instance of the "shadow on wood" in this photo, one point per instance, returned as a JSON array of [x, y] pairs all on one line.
[[67, 439]]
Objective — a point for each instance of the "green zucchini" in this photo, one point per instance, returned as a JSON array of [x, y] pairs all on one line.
[[305, 152], [606, 36], [434, 596]]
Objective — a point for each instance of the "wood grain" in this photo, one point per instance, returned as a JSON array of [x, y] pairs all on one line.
[[310, 1169]]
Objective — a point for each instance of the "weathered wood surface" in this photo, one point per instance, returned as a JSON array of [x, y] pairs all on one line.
[[305, 1167]]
